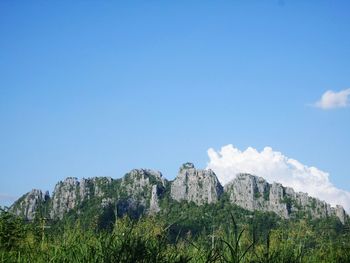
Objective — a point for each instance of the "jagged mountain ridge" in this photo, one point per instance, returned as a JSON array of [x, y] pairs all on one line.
[[141, 191], [255, 193]]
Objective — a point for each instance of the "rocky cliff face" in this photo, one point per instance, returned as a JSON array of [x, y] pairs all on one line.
[[70, 193], [199, 186], [142, 190], [65, 197], [29, 204], [254, 193]]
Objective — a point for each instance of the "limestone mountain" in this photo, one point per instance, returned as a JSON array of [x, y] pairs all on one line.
[[199, 186], [28, 205], [137, 191], [144, 191], [254, 193]]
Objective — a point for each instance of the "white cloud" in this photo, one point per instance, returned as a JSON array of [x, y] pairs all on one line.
[[276, 167], [331, 99]]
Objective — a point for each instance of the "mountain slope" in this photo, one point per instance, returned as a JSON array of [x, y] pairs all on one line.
[[254, 193], [144, 191]]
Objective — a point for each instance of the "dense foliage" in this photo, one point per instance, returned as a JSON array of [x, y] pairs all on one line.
[[181, 232]]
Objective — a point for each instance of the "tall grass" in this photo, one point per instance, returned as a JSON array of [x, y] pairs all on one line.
[[149, 240]]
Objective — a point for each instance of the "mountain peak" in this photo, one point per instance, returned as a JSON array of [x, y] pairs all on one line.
[[199, 186], [255, 193], [186, 166]]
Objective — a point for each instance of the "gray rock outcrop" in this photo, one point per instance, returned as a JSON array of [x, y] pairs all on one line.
[[29, 204], [254, 193], [154, 202], [65, 197], [70, 193], [143, 187], [199, 186], [142, 191]]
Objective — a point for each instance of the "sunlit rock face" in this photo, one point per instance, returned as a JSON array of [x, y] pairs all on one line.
[[254, 193], [65, 197], [199, 186], [142, 191], [134, 190], [29, 204], [71, 192]]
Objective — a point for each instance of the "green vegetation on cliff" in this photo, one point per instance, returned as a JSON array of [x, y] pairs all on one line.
[[181, 232]]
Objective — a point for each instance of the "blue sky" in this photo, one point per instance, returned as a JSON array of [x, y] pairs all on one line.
[[96, 88]]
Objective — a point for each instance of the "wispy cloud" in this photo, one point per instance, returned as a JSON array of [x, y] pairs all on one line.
[[276, 167], [331, 99]]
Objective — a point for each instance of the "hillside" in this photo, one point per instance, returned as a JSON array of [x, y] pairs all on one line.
[[144, 191], [142, 217]]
